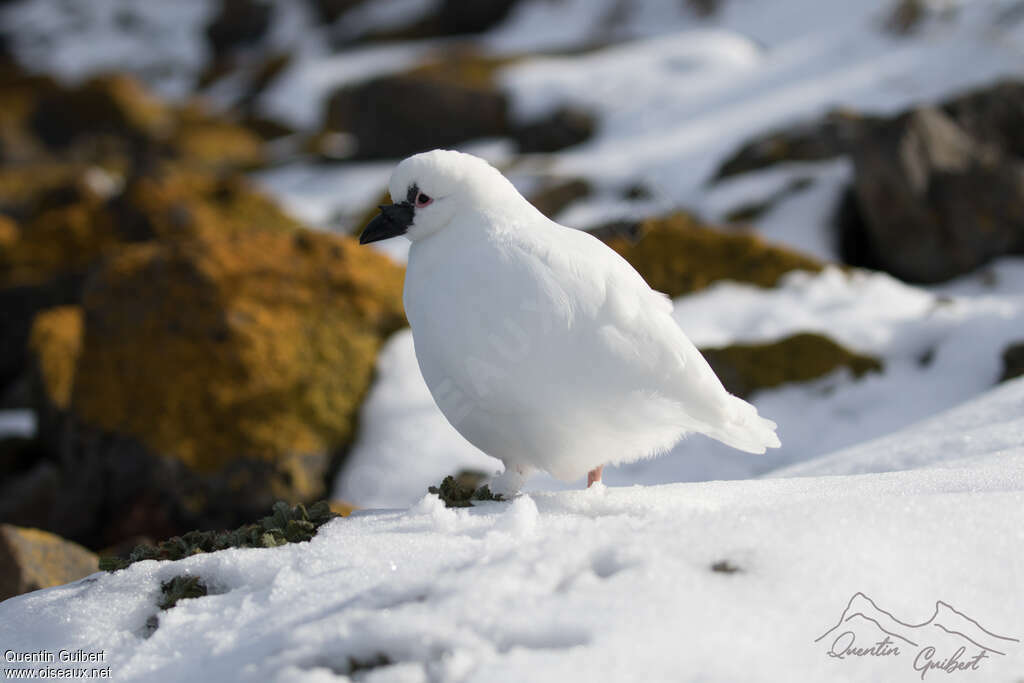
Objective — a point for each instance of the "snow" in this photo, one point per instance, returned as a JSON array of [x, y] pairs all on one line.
[[611, 583], [162, 42], [985, 429], [17, 423]]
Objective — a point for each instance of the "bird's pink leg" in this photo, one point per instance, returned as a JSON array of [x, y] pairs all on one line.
[[594, 475]]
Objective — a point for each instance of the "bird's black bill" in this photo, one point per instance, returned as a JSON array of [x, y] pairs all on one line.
[[394, 220]]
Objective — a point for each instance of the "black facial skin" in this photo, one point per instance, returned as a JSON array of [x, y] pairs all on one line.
[[394, 219]]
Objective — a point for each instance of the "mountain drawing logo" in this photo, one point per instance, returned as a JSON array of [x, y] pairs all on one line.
[[949, 640]]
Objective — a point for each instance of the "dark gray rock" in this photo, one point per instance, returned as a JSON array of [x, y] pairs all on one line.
[[563, 128], [394, 116], [804, 141], [935, 202], [239, 23], [993, 115], [1013, 361]]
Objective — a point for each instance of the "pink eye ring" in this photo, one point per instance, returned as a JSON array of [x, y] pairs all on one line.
[[423, 200]]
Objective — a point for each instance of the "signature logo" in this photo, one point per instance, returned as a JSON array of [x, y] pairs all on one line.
[[949, 642]]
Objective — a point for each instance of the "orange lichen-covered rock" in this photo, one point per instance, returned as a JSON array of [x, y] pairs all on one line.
[[31, 559], [56, 341], [228, 346], [215, 141]]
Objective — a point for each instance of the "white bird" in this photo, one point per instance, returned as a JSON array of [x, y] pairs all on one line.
[[542, 346]]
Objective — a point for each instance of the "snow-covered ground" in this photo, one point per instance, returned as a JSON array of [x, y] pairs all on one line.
[[606, 584]]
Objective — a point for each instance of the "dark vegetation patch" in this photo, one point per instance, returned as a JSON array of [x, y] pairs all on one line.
[[461, 490], [725, 567], [286, 524], [180, 588]]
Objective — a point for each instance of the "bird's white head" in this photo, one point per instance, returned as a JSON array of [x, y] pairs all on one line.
[[432, 188]]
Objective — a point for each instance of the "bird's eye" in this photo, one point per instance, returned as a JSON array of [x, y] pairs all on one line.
[[422, 200]]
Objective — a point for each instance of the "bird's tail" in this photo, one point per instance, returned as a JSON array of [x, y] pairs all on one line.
[[745, 429]]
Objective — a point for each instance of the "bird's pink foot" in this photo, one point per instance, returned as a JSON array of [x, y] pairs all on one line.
[[594, 476]]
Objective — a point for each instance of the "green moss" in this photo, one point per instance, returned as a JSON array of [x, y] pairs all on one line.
[[286, 524], [462, 490], [180, 588], [678, 255], [746, 368]]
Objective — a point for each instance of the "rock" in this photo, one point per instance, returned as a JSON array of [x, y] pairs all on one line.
[[440, 104], [993, 115], [330, 10], [217, 372], [18, 454], [115, 105], [677, 254], [429, 107], [1013, 361], [28, 188], [746, 368], [216, 142], [555, 196], [807, 141], [31, 559], [72, 228], [446, 18], [704, 8], [563, 128], [19, 91], [854, 245], [937, 192], [239, 23], [56, 341], [267, 344], [29, 498], [935, 202], [456, 17]]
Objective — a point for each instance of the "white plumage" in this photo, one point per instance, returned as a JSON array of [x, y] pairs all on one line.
[[541, 345]]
